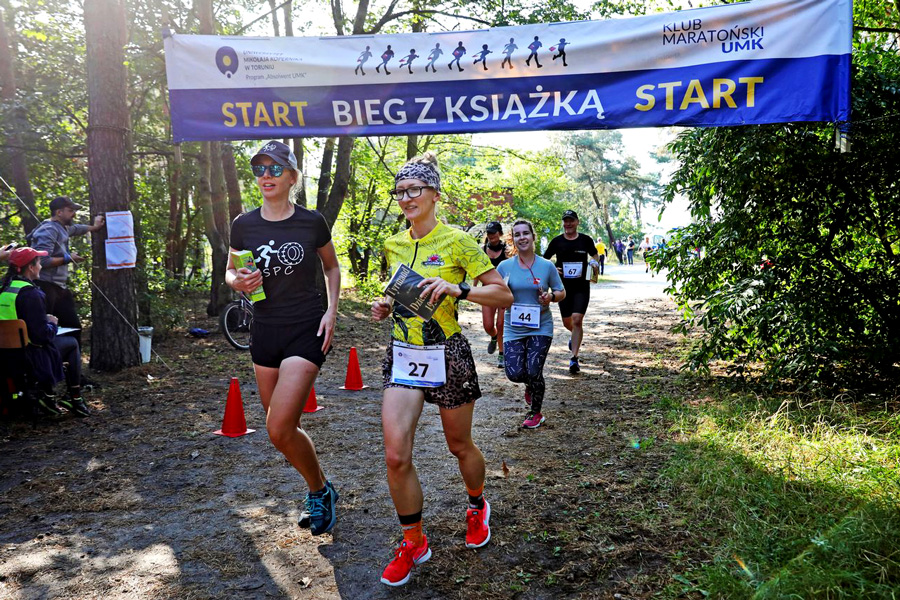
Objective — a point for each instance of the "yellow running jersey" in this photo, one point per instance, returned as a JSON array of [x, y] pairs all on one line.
[[447, 253]]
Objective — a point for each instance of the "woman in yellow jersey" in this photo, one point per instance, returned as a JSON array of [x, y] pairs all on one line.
[[445, 257]]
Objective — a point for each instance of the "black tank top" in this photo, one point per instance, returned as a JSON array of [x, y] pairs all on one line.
[[496, 261]]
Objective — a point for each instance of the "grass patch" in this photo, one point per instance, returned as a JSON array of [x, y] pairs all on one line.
[[793, 500]]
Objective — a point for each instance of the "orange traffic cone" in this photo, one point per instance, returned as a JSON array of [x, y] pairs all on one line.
[[234, 424], [311, 405], [353, 381]]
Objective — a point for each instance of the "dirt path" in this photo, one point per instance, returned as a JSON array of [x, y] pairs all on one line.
[[142, 501]]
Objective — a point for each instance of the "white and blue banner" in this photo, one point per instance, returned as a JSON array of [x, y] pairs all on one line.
[[765, 61]]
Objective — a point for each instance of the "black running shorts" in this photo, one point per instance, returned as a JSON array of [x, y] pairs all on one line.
[[462, 380], [576, 301], [271, 344]]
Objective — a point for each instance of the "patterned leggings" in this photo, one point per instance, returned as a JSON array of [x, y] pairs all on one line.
[[525, 364]]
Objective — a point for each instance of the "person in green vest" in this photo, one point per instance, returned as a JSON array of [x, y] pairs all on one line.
[[46, 351]]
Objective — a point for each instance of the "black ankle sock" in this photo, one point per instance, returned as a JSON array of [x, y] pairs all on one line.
[[477, 501]]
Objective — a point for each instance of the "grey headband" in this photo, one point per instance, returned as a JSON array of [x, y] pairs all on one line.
[[426, 172]]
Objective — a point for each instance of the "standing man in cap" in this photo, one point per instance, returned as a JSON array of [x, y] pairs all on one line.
[[52, 236], [574, 253]]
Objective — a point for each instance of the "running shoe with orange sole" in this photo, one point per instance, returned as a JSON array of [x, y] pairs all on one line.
[[405, 557], [478, 530]]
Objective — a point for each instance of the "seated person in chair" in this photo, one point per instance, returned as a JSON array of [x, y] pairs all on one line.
[[46, 351]]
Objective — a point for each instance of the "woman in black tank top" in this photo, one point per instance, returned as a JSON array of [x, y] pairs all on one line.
[[492, 318]]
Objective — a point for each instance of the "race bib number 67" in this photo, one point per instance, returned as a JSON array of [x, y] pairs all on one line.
[[418, 366], [572, 270]]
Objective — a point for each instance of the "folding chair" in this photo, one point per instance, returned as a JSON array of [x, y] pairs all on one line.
[[14, 370]]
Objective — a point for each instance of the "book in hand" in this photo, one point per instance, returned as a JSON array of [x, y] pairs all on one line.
[[403, 289]]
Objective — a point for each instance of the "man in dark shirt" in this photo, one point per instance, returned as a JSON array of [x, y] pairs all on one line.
[[575, 253]]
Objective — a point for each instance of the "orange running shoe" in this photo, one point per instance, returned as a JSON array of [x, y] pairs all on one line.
[[478, 531], [398, 570]]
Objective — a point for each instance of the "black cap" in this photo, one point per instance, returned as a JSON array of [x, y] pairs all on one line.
[[494, 227], [63, 202], [279, 152], [570, 214]]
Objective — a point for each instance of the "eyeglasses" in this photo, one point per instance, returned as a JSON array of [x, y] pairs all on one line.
[[411, 192], [274, 170]]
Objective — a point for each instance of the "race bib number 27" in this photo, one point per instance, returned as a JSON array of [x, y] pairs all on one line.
[[418, 366]]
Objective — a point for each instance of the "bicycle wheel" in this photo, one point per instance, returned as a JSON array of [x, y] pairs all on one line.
[[235, 322]]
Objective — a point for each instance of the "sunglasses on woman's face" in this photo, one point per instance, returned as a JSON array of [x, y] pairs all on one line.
[[274, 170]]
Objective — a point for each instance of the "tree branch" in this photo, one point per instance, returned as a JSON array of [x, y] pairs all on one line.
[[386, 18], [259, 18], [392, 16], [337, 14], [877, 29]]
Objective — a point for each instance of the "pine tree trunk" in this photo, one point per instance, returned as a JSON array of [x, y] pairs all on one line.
[[325, 174], [273, 7], [217, 295], [173, 234], [212, 195], [114, 341], [335, 200], [288, 20], [232, 183]]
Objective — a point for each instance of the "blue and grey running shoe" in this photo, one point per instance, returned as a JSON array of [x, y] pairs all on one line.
[[303, 520], [321, 510]]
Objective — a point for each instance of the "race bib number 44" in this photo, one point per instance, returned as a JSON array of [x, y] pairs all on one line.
[[525, 315], [418, 366], [573, 270]]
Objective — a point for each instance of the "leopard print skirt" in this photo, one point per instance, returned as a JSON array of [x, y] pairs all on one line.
[[462, 379]]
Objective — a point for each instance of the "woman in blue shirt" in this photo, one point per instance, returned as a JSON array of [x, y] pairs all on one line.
[[528, 325]]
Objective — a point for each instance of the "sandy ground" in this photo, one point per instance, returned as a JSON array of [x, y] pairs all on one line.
[[142, 501]]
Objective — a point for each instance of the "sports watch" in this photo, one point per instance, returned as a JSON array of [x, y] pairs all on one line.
[[464, 288]]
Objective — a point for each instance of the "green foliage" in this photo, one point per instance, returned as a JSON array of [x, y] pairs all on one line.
[[540, 189], [469, 176], [797, 498], [369, 288], [800, 266], [369, 215], [610, 190]]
